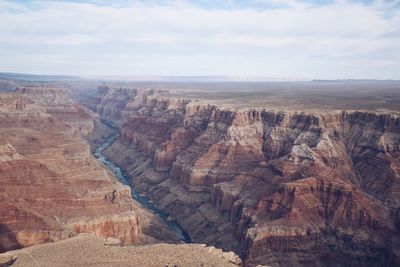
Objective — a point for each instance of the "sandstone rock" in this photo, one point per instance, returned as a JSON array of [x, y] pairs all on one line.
[[51, 187], [279, 187], [7, 261], [8, 152]]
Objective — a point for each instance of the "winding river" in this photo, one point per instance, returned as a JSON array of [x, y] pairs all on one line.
[[143, 200]]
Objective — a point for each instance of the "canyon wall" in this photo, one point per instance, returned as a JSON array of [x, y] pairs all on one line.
[[51, 187], [278, 187]]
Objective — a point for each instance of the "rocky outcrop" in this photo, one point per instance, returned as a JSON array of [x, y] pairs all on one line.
[[89, 250], [345, 222], [278, 187], [51, 187]]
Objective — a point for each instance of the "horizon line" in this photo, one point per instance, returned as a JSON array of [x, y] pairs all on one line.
[[231, 78]]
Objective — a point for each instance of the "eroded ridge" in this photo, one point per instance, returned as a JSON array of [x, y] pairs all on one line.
[[51, 186], [281, 187]]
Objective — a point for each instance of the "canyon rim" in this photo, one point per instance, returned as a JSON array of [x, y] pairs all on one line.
[[288, 185], [199, 133]]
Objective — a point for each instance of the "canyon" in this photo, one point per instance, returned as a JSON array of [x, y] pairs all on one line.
[[51, 186], [200, 133], [53, 190], [313, 187], [278, 182]]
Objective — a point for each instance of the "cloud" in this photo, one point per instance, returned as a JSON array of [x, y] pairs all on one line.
[[303, 39]]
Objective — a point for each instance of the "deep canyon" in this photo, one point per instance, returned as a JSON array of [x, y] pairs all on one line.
[[277, 187], [280, 185]]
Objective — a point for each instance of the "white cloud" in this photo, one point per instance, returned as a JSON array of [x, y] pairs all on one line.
[[339, 40]]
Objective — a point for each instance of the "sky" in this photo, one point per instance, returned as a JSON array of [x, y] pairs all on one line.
[[295, 39]]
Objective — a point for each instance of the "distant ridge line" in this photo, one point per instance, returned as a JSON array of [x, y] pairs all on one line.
[[36, 77], [170, 78]]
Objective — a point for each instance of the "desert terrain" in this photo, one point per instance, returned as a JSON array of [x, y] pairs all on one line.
[[264, 173], [280, 173], [189, 133], [89, 250]]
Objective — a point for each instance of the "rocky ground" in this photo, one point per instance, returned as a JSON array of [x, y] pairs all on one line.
[[89, 250]]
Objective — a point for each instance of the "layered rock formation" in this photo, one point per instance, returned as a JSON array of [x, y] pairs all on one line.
[[51, 187], [279, 187]]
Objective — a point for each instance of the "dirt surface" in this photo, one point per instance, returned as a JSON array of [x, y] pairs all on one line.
[[88, 250]]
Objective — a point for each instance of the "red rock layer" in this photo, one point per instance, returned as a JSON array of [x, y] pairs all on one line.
[[51, 187], [280, 187]]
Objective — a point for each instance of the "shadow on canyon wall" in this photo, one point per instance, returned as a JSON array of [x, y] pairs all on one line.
[[8, 240]]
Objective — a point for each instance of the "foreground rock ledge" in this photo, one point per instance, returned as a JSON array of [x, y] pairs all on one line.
[[89, 250]]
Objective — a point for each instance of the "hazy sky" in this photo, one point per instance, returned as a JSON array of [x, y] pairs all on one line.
[[273, 38]]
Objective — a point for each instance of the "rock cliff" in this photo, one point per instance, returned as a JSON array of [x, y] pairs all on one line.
[[278, 187], [51, 187]]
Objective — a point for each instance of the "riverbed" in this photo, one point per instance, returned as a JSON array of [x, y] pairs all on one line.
[[143, 200]]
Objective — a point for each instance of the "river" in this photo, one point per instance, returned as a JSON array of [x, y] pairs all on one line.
[[143, 200]]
